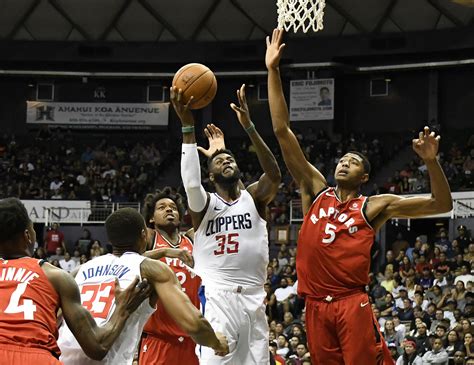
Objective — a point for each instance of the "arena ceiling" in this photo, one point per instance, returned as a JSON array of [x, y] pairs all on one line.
[[213, 20]]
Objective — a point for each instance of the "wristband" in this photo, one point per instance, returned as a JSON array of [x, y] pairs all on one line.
[[188, 129], [251, 128]]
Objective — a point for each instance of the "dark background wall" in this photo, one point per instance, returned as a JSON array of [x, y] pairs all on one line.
[[406, 106]]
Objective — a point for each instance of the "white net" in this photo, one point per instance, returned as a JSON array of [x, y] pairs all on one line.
[[304, 14]]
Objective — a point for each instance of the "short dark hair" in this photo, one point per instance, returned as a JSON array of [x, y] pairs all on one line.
[[14, 219], [324, 88], [216, 153], [365, 161], [152, 198], [124, 227]]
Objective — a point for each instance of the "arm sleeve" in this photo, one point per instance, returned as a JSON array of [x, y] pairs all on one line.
[[191, 175]]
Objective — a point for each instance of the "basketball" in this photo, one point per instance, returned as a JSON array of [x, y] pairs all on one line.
[[198, 81]]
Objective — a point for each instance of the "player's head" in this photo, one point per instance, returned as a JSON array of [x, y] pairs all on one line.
[[163, 209], [126, 230], [352, 170], [223, 169], [324, 93], [17, 235]]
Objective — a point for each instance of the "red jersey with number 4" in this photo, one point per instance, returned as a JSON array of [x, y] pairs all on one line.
[[334, 246], [161, 324], [28, 305]]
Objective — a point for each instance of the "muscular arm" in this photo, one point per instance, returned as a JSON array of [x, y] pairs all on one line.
[[94, 340], [384, 207], [159, 253], [177, 304], [265, 189], [310, 180]]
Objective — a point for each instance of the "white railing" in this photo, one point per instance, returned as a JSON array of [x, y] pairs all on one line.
[[97, 213], [463, 207]]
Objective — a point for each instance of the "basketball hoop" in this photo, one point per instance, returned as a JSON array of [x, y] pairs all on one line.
[[304, 14]]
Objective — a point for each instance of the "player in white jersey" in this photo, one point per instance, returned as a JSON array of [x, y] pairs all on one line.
[[127, 233], [231, 243]]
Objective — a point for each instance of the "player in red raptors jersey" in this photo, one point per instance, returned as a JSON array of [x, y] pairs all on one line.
[[31, 292], [164, 342], [337, 234]]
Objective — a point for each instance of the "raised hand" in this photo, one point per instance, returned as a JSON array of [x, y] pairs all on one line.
[[130, 298], [215, 137], [183, 111], [427, 144], [242, 110], [274, 49]]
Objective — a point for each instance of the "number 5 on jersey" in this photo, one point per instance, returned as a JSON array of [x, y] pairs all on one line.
[[226, 244]]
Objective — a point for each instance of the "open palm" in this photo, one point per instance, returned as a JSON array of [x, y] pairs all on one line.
[[274, 49], [215, 137]]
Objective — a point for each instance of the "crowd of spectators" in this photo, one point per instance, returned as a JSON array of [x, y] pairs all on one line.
[[422, 296], [56, 166], [59, 253]]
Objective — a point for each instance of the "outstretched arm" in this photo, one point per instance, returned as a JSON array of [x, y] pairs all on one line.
[[94, 340], [310, 180], [384, 207], [265, 189], [179, 306], [159, 253], [190, 166]]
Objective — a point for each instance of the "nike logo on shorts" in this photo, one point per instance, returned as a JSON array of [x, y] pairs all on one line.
[[362, 305]]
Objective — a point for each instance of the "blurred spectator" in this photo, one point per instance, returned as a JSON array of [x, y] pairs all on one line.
[[410, 356], [437, 355], [84, 243], [453, 343], [54, 239], [67, 263]]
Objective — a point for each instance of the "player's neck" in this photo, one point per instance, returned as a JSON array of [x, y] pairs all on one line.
[[5, 255], [229, 192], [171, 234], [345, 193]]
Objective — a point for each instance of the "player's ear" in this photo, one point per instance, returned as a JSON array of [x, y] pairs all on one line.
[[211, 177], [365, 178], [27, 235]]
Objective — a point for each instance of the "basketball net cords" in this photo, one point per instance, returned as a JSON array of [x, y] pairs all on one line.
[[304, 14]]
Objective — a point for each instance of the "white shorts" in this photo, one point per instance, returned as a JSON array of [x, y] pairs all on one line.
[[240, 316]]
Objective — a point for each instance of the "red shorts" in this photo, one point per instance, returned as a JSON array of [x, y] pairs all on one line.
[[344, 332], [19, 355], [157, 351]]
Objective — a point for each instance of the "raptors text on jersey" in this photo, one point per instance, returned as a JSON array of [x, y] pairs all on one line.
[[334, 246]]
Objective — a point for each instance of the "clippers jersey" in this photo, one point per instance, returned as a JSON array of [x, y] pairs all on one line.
[[231, 243], [28, 305], [95, 280], [160, 323], [334, 246]]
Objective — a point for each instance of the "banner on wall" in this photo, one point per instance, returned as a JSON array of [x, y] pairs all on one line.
[[64, 211], [312, 99], [98, 115]]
